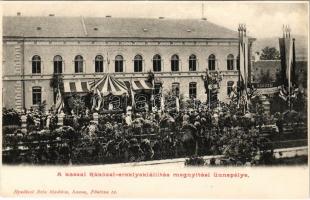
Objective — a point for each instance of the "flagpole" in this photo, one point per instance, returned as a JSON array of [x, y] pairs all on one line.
[[239, 73], [108, 62], [209, 97]]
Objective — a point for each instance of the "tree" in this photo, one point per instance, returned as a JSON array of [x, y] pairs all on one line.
[[270, 53], [55, 83], [265, 77], [76, 104]]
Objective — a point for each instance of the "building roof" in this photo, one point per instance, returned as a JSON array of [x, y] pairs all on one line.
[[270, 64], [52, 26], [276, 64]]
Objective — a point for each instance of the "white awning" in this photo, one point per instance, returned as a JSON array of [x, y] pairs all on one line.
[[76, 86]]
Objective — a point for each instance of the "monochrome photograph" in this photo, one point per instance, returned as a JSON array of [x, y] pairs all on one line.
[[182, 84]]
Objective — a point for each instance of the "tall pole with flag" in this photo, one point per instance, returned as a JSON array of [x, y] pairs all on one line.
[[108, 62], [132, 95], [287, 52], [243, 64], [59, 104]]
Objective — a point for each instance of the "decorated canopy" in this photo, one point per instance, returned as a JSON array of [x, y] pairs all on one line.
[[109, 85], [139, 85], [76, 86]]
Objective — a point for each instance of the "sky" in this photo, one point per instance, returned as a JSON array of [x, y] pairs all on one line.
[[262, 19]]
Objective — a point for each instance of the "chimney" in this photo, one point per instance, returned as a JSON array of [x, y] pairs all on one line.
[[19, 14]]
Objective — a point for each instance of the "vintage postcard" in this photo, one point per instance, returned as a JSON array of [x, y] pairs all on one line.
[[154, 99]]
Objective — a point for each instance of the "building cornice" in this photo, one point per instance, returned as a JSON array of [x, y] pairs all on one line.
[[122, 75]]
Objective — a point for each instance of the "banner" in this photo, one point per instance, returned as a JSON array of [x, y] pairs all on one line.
[[59, 105], [272, 90]]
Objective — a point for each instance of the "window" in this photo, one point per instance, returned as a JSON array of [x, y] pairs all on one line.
[[57, 64], [119, 63], [192, 63], [192, 90], [36, 95], [36, 65], [229, 87], [175, 63], [99, 63], [157, 63], [176, 89], [137, 63], [78, 64], [230, 62], [211, 62]]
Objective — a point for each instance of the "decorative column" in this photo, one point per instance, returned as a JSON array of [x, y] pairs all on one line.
[[95, 118], [24, 123], [266, 103], [48, 121], [60, 119]]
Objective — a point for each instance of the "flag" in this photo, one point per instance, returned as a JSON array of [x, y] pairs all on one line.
[[283, 94], [152, 95], [94, 102], [293, 76], [132, 95], [243, 56], [162, 99], [243, 64], [288, 64], [59, 105], [177, 103], [100, 99]]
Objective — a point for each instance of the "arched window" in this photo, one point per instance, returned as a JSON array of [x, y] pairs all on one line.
[[36, 95], [229, 87], [156, 63], [36, 64], [192, 90], [57, 64], [192, 62], [230, 62], [137, 63], [174, 63], [176, 89], [99, 63], [78, 64], [211, 62], [119, 61]]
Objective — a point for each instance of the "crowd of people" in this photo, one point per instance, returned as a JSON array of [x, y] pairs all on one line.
[[127, 137]]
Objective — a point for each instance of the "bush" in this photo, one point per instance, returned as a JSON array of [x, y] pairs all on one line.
[[195, 161], [245, 146], [10, 117], [67, 132], [9, 129]]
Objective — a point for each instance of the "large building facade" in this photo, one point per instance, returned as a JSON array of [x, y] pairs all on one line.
[[178, 52]]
